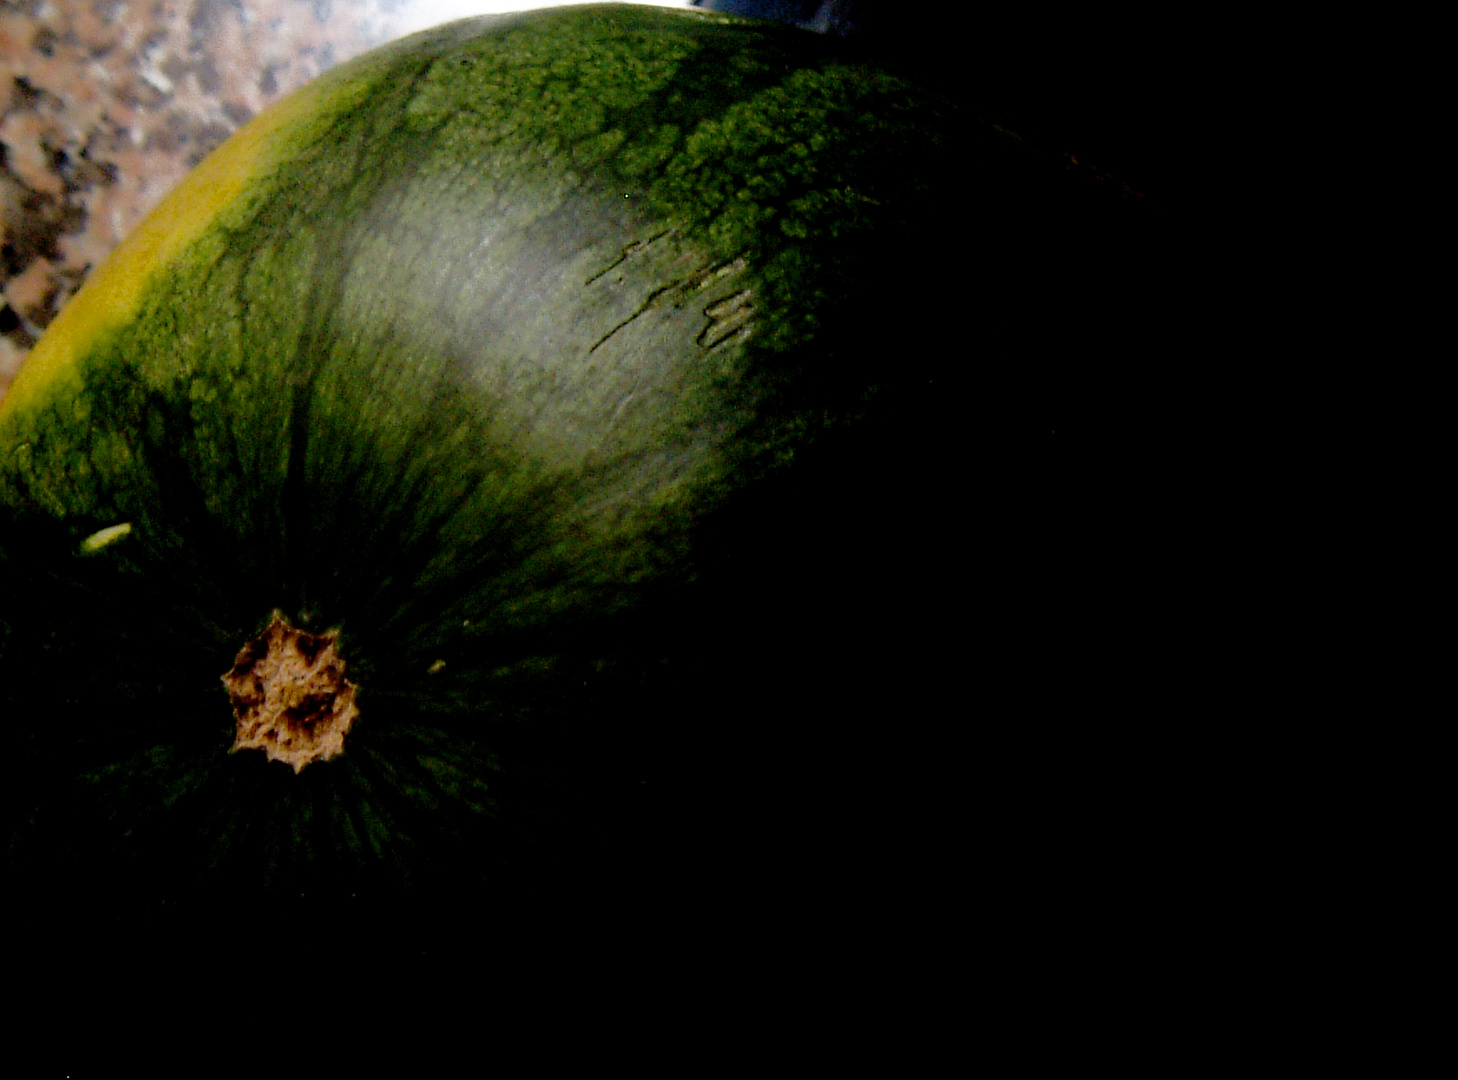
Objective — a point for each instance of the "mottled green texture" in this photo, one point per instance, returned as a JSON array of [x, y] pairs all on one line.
[[429, 285], [521, 309]]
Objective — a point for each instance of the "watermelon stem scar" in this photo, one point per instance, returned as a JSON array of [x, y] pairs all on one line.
[[290, 696]]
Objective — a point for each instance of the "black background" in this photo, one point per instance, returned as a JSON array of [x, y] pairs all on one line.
[[1100, 81]]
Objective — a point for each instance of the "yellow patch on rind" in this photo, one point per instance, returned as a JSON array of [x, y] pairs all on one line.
[[113, 294]]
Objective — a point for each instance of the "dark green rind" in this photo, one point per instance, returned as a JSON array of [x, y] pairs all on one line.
[[468, 381]]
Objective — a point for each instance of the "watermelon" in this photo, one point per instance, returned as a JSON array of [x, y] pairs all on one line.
[[549, 444]]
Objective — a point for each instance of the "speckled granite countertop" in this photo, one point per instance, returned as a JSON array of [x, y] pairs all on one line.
[[108, 104]]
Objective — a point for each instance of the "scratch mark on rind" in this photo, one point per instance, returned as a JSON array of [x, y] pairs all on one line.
[[628, 252], [726, 317], [627, 399], [678, 292]]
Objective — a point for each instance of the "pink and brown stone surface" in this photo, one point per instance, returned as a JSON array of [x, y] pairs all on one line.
[[106, 104]]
